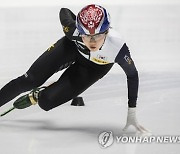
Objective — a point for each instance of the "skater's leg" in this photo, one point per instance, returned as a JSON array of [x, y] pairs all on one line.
[[76, 79], [57, 57]]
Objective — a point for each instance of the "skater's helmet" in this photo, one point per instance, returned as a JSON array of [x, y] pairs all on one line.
[[92, 19]]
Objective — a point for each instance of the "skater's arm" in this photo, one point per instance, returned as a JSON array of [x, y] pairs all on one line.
[[125, 61], [68, 21]]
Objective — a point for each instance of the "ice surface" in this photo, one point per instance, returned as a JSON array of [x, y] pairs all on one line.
[[153, 35]]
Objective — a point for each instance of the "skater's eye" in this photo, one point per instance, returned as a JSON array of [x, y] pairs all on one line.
[[96, 37]]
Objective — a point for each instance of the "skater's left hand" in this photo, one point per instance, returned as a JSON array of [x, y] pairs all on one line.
[[131, 120]]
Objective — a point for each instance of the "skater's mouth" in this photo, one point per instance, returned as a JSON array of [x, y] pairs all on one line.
[[93, 48]]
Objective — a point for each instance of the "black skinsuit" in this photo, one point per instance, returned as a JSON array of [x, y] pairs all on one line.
[[80, 74]]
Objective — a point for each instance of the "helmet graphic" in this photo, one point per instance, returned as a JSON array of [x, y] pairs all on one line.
[[92, 19]]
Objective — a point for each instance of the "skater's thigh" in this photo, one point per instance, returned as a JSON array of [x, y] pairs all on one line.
[[60, 54], [73, 82]]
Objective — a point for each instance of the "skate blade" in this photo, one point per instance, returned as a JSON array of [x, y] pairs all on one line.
[[7, 111]]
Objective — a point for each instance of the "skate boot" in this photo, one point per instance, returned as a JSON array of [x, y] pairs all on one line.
[[28, 99]]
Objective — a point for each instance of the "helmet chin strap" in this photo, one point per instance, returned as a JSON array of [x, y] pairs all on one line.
[[104, 39]]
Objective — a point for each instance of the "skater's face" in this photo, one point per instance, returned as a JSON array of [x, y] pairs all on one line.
[[94, 42]]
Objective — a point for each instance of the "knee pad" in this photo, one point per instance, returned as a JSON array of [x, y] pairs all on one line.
[[44, 102]]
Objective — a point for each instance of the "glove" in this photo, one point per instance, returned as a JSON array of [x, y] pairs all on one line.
[[131, 120]]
